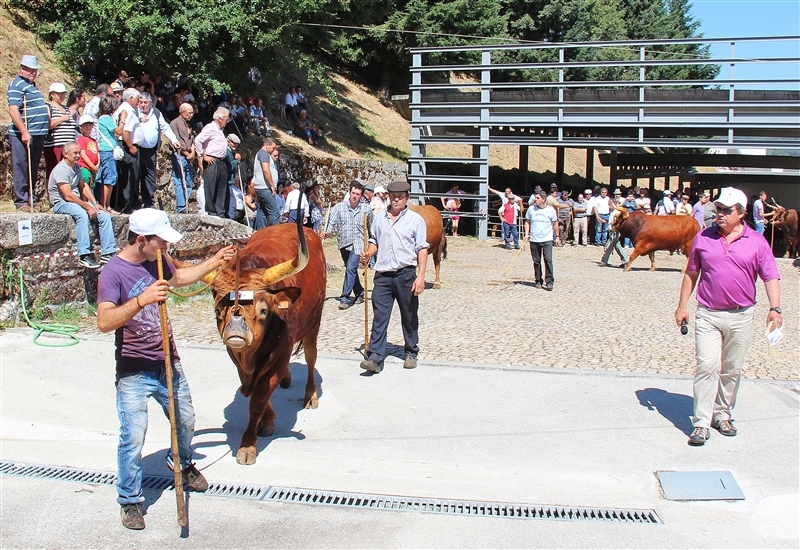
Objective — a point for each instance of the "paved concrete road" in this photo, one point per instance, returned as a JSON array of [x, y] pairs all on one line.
[[513, 434]]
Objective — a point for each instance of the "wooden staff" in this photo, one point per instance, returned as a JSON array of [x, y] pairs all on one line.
[[514, 259], [325, 223], [28, 148], [772, 238], [176, 459], [366, 291]]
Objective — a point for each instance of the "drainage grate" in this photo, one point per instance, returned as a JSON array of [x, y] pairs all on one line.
[[460, 507], [350, 500]]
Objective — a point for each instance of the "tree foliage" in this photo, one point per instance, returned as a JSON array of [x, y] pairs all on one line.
[[218, 41]]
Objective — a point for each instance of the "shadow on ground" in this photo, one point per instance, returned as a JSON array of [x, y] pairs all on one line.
[[675, 407]]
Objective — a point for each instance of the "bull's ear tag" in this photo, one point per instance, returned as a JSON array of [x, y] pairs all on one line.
[[243, 295], [284, 305]]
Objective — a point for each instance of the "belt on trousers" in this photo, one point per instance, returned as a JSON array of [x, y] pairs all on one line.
[[736, 308], [397, 272]]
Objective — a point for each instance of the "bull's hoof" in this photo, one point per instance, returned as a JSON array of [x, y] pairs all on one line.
[[246, 456], [627, 268], [266, 431], [653, 268], [437, 285], [312, 403], [286, 382]]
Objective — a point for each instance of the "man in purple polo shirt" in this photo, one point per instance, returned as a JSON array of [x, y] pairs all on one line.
[[726, 257]]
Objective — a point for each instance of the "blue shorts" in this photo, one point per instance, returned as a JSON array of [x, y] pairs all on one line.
[[107, 174]]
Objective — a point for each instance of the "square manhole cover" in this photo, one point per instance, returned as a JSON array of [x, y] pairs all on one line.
[[699, 486]]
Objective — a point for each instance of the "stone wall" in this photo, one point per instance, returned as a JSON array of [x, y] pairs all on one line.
[[52, 274]]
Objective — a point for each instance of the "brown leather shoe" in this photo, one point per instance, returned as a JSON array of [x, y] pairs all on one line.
[[194, 479], [131, 515], [725, 427]]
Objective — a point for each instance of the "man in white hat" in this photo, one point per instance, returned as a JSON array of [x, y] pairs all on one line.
[[726, 258], [665, 207], [378, 202], [128, 294], [30, 119]]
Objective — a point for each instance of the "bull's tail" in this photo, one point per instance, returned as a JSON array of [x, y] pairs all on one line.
[[297, 348], [444, 246]]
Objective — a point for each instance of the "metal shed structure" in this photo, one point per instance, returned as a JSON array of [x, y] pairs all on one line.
[[551, 102]]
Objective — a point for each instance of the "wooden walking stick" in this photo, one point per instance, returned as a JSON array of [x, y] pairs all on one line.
[[28, 153], [514, 259], [366, 291], [176, 459]]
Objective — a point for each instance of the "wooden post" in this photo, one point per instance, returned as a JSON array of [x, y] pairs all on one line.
[[560, 166]]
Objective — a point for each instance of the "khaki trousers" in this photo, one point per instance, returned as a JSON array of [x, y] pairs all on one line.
[[721, 339]]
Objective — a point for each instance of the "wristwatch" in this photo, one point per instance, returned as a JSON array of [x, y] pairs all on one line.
[[777, 310]]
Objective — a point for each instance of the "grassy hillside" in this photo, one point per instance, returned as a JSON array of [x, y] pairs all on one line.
[[359, 125]]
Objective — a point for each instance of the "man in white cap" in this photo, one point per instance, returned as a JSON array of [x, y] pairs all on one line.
[[128, 294], [30, 125], [726, 257], [665, 206], [378, 202]]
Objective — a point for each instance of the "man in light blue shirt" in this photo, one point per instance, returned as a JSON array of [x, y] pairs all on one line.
[[399, 237], [540, 225]]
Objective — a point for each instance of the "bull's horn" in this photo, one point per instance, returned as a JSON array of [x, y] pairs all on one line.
[[620, 208], [275, 274], [208, 278], [775, 203]]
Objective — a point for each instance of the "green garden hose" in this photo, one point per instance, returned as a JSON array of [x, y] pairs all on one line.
[[57, 328]]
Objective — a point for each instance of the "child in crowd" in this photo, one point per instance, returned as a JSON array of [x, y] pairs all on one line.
[[106, 141], [89, 162]]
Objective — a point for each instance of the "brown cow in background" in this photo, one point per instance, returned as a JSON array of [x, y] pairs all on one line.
[[281, 277], [650, 233], [435, 237], [787, 220]]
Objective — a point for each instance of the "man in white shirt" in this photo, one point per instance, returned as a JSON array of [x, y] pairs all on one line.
[[290, 208], [126, 116], [290, 102], [147, 138], [665, 206], [541, 224], [602, 210]]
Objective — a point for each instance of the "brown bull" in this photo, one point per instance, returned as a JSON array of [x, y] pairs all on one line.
[[786, 219], [282, 268], [435, 237], [650, 233]]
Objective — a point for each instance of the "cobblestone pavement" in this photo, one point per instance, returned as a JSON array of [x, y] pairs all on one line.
[[597, 317]]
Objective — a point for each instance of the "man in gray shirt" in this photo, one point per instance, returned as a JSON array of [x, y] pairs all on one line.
[[70, 195], [398, 236]]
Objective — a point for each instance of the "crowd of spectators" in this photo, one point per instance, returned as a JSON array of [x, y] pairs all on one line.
[[119, 135]]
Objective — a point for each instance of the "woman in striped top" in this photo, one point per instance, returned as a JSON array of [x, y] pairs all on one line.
[[63, 128]]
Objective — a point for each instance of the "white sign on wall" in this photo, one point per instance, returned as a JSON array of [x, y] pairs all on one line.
[[25, 230]]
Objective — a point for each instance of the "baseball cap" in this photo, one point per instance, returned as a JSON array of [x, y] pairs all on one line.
[[668, 192], [115, 87], [85, 119], [380, 189], [30, 61], [58, 87], [149, 221], [587, 191], [730, 196], [233, 138], [369, 187]]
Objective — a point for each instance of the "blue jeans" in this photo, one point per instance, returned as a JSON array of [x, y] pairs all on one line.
[[760, 227], [351, 281], [133, 392], [510, 232], [267, 213], [108, 244], [601, 229], [178, 182], [613, 246]]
